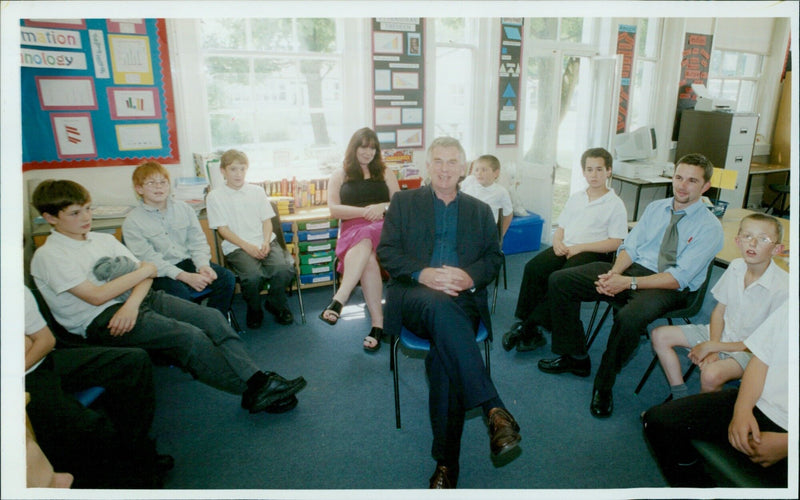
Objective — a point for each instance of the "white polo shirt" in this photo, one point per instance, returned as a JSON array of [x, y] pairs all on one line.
[[63, 263], [242, 211], [747, 308], [587, 221], [770, 344], [495, 195]]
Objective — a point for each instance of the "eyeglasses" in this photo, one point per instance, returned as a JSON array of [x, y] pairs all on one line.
[[760, 240], [158, 183]]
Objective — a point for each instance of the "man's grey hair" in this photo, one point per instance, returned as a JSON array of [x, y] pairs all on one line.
[[447, 142]]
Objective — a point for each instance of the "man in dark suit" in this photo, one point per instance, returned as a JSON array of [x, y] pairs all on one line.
[[441, 250]]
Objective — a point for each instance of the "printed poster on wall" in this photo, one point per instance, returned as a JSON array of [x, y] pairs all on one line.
[[626, 43], [694, 69], [398, 70], [508, 81], [95, 92]]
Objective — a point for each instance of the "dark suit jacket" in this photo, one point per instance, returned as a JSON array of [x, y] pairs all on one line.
[[407, 246]]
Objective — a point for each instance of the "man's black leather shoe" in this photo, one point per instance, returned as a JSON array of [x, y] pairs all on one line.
[[602, 403], [282, 405], [526, 344], [444, 478], [274, 389], [563, 364], [512, 336]]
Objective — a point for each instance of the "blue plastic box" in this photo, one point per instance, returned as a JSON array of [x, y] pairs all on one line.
[[524, 234]]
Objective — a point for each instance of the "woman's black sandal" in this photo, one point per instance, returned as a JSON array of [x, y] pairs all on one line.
[[376, 333], [335, 307]]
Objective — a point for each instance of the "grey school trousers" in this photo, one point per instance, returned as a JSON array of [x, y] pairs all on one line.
[[196, 338]]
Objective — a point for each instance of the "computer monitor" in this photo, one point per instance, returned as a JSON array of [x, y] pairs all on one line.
[[637, 145]]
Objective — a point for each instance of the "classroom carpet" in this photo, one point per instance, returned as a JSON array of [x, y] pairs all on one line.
[[342, 435]]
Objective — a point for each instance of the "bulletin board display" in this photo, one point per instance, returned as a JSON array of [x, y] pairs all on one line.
[[626, 42], [95, 92], [398, 81], [694, 69], [508, 81]]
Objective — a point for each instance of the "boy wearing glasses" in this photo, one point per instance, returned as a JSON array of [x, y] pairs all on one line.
[[750, 289], [167, 233]]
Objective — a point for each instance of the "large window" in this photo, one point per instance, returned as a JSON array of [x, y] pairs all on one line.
[[645, 65], [734, 75], [274, 91], [456, 40]]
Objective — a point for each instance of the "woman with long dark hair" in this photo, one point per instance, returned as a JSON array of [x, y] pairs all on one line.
[[358, 195]]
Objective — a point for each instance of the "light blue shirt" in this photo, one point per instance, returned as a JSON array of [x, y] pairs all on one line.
[[700, 239], [166, 238]]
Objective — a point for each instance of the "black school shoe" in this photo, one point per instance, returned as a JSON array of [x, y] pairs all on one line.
[[283, 316], [254, 318]]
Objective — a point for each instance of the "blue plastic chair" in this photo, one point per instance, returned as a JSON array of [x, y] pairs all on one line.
[[88, 396], [411, 341]]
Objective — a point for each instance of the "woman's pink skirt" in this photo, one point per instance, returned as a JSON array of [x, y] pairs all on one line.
[[352, 232]]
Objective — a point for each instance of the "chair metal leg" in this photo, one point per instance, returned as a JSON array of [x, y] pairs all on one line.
[[494, 294], [300, 299], [234, 322], [486, 345], [505, 277], [646, 375], [593, 335], [396, 376]]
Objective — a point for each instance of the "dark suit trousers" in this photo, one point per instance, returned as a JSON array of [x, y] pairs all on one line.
[[93, 445], [533, 307], [569, 287], [458, 377], [670, 427]]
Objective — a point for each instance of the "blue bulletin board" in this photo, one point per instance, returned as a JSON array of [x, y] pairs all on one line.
[[95, 92]]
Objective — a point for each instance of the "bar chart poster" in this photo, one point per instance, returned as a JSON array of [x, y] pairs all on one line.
[[508, 81], [95, 92], [694, 69], [398, 84], [626, 42]]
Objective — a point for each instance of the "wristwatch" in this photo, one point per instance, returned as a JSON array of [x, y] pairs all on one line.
[[634, 286]]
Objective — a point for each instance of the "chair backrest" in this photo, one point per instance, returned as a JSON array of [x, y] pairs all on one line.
[[500, 227], [63, 337], [277, 228], [695, 300]]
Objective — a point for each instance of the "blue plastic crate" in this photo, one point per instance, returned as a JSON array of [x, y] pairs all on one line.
[[524, 234]]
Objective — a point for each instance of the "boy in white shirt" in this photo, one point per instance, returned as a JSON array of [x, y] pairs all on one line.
[[167, 233], [242, 214], [751, 288], [482, 184], [591, 226], [754, 420]]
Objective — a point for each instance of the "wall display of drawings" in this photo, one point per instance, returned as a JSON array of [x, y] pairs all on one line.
[[626, 41], [398, 81], [508, 81], [694, 69], [95, 92]]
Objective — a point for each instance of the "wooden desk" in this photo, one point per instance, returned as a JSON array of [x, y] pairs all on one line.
[[763, 169], [639, 184], [730, 226]]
